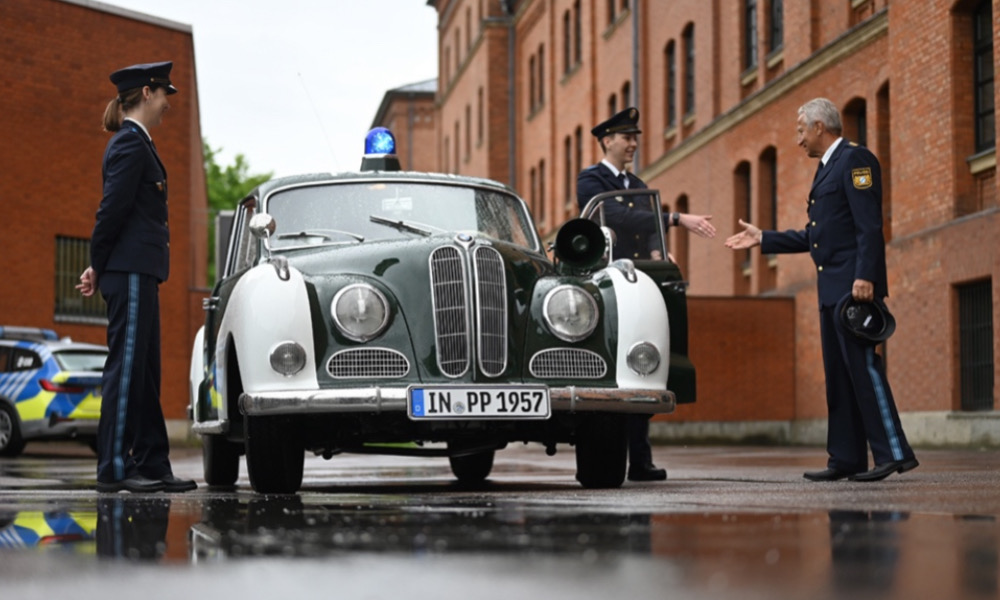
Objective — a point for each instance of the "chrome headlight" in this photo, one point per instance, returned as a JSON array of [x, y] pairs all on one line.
[[570, 313], [288, 358], [643, 358], [360, 312]]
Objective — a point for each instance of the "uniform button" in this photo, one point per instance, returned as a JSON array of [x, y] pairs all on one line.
[[820, 268], [811, 201], [814, 223], [630, 205], [815, 245], [635, 255]]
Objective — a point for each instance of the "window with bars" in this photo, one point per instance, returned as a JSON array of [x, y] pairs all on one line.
[[776, 26], [975, 339], [688, 37], [749, 34], [72, 258]]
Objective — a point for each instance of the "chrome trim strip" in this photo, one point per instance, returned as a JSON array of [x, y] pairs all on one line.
[[393, 399]]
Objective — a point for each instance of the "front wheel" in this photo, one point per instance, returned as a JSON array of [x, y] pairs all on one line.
[[220, 459], [275, 455], [602, 451], [472, 468], [11, 442]]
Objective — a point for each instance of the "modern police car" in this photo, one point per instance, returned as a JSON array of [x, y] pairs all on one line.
[[383, 311], [50, 388]]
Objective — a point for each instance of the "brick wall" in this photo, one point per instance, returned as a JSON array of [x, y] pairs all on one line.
[[56, 57]]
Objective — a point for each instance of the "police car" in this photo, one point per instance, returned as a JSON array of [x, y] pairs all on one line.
[[358, 311], [50, 388]]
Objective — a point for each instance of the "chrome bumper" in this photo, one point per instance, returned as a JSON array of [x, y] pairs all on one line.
[[378, 400]]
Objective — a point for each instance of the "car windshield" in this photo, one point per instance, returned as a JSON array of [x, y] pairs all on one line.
[[81, 360], [353, 213]]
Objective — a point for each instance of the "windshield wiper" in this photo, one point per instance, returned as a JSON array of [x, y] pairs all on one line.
[[421, 228], [320, 233]]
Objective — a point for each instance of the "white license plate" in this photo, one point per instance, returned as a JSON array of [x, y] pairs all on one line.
[[479, 402]]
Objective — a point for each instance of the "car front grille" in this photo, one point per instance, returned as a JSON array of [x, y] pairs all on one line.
[[491, 298], [368, 363], [452, 310], [565, 363]]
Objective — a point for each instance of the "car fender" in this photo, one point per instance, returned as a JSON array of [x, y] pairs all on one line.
[[196, 372], [263, 311], [642, 317]]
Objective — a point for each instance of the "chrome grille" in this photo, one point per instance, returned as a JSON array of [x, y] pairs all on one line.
[[491, 300], [367, 363], [564, 363], [451, 322]]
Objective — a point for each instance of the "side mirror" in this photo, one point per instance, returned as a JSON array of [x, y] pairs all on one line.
[[262, 225]]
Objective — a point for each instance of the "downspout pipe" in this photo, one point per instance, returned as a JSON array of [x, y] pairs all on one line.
[[635, 73]]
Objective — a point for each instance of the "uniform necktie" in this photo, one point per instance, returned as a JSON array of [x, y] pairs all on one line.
[[623, 179]]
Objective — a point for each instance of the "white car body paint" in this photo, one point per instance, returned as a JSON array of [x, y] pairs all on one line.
[[640, 320]]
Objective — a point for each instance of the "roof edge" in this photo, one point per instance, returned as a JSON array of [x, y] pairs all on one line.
[[131, 14]]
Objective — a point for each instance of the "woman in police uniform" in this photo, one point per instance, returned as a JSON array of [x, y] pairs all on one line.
[[129, 254]]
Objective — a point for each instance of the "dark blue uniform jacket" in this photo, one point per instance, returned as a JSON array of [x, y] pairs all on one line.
[[844, 231], [131, 233], [630, 218]]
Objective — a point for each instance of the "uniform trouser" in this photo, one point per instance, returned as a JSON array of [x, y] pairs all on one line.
[[862, 412], [640, 453], [131, 434]]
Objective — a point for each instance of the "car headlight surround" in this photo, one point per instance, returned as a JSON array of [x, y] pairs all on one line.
[[643, 358], [287, 358], [570, 313], [360, 312]]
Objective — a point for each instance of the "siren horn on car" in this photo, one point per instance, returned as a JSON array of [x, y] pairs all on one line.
[[380, 151], [580, 245]]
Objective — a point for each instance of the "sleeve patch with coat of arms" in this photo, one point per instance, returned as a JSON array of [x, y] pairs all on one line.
[[862, 178]]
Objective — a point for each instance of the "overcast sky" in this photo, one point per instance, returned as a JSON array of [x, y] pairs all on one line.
[[294, 85]]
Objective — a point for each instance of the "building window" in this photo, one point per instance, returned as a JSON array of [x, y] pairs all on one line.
[[776, 26], [541, 75], [975, 339], [468, 29], [688, 37], [532, 74], [543, 209], [749, 34], [568, 175], [479, 119], [985, 109], [627, 95], [611, 12], [567, 43], [856, 121], [533, 198], [458, 145], [671, 80], [612, 104], [468, 132], [742, 196], [681, 237], [72, 258], [578, 153]]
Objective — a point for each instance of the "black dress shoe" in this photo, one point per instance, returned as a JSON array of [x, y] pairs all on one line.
[[646, 473], [882, 471], [173, 484], [827, 475], [137, 484]]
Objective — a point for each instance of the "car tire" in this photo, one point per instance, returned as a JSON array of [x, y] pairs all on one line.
[[220, 459], [275, 455], [11, 442], [601, 451], [472, 468]]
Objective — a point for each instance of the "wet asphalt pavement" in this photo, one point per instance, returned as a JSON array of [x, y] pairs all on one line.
[[730, 522]]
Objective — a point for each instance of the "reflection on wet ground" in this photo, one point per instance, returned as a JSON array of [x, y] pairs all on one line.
[[730, 522]]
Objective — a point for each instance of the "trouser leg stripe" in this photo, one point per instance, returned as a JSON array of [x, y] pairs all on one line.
[[883, 406], [126, 376]]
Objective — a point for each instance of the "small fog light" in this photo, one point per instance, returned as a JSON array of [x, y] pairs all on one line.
[[288, 358], [643, 358]]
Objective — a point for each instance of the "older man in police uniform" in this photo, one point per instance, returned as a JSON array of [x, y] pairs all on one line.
[[634, 225], [844, 237]]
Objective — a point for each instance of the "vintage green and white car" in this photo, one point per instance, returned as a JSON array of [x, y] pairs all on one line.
[[417, 313]]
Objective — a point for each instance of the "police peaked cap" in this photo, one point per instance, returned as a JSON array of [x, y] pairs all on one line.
[[870, 321], [624, 122], [152, 74]]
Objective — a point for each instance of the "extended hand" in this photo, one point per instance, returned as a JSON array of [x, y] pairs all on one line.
[[699, 224], [748, 238]]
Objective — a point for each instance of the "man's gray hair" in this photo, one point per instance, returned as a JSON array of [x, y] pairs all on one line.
[[823, 111]]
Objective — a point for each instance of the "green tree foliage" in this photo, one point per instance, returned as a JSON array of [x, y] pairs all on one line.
[[226, 185]]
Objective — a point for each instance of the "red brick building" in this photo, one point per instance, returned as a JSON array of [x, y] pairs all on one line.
[[55, 58], [718, 85]]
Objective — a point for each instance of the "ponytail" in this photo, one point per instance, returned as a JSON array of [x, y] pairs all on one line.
[[115, 111]]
